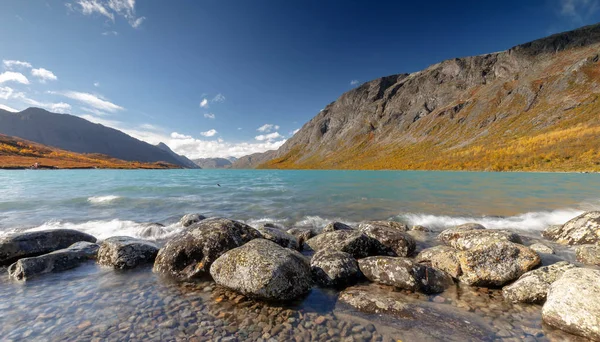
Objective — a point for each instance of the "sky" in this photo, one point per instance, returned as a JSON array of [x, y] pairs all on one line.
[[220, 78]]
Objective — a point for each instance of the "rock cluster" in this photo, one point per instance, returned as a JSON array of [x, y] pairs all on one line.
[[122, 252]]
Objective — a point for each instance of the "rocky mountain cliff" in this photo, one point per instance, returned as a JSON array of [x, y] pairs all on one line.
[[213, 163], [253, 160], [183, 160], [532, 107]]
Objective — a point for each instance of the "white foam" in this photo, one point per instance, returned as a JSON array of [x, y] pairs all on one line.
[[102, 199], [318, 222]]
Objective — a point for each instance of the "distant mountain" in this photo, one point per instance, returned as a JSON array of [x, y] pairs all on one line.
[[253, 160], [213, 163], [183, 160], [75, 134]]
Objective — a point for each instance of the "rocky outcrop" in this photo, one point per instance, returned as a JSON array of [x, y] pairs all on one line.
[[57, 261], [189, 219], [584, 229], [301, 234], [533, 286], [573, 303], [496, 263], [395, 239], [443, 258], [464, 239], [123, 252], [354, 243], [405, 274], [334, 268], [263, 269], [541, 248], [190, 254], [280, 237], [22, 245], [333, 226], [588, 254]]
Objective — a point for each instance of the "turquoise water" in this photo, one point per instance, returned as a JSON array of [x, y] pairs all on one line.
[[111, 202]]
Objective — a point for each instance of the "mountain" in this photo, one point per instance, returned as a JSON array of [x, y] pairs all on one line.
[[183, 160], [253, 160], [213, 163], [16, 153], [533, 107], [75, 134]]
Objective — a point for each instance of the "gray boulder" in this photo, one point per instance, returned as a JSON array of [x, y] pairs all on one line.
[[467, 239], [573, 303], [123, 252], [541, 248], [263, 269], [189, 219], [151, 230], [190, 254], [584, 229], [280, 237], [352, 242], [23, 245], [333, 226], [496, 263], [334, 268], [388, 224], [533, 286], [404, 273], [443, 258], [57, 261], [301, 234], [395, 239], [588, 254]]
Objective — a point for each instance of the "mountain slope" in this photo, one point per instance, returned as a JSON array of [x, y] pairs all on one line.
[[75, 134], [183, 160], [213, 163], [253, 160], [533, 107]]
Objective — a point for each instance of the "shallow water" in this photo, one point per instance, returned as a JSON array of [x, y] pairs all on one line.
[[98, 303]]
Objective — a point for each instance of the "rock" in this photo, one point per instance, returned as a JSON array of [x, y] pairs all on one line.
[[190, 254], [588, 254], [419, 228], [123, 252], [352, 242], [388, 224], [468, 227], [189, 219], [333, 226], [541, 248], [30, 244], [405, 274], [533, 286], [395, 239], [467, 239], [301, 234], [150, 230], [443, 258], [573, 303], [279, 237], [334, 268], [496, 263], [263, 269], [57, 261], [584, 229]]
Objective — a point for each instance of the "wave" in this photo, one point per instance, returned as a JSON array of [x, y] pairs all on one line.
[[102, 199]]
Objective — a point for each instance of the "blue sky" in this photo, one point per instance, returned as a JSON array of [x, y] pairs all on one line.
[[228, 78]]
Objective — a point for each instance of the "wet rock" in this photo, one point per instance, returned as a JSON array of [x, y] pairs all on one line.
[[123, 252], [467, 239], [443, 258], [468, 227], [541, 248], [533, 286], [352, 242], [279, 237], [395, 239], [262, 269], [388, 224], [334, 268], [22, 245], [588, 254], [333, 226], [190, 254], [584, 229], [496, 263], [149, 230], [57, 261], [301, 234], [573, 303], [189, 219], [404, 273], [419, 228]]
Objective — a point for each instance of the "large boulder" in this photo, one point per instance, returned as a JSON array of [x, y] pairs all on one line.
[[541, 248], [467, 239], [123, 252], [190, 254], [189, 219], [588, 254], [279, 237], [495, 264], [388, 224], [151, 230], [57, 261], [443, 258], [334, 268], [263, 269], [23, 245], [533, 286], [573, 303], [333, 226], [404, 273], [301, 234], [352, 242], [584, 229], [395, 239]]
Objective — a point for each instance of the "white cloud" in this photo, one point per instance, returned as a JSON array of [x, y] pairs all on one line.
[[267, 128], [43, 74], [204, 103], [110, 33], [354, 82], [295, 131], [209, 115], [209, 133], [7, 93], [7, 108], [219, 98], [90, 100], [150, 127], [176, 135], [268, 137], [579, 10], [109, 9], [10, 64], [96, 84], [93, 111], [11, 76]]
